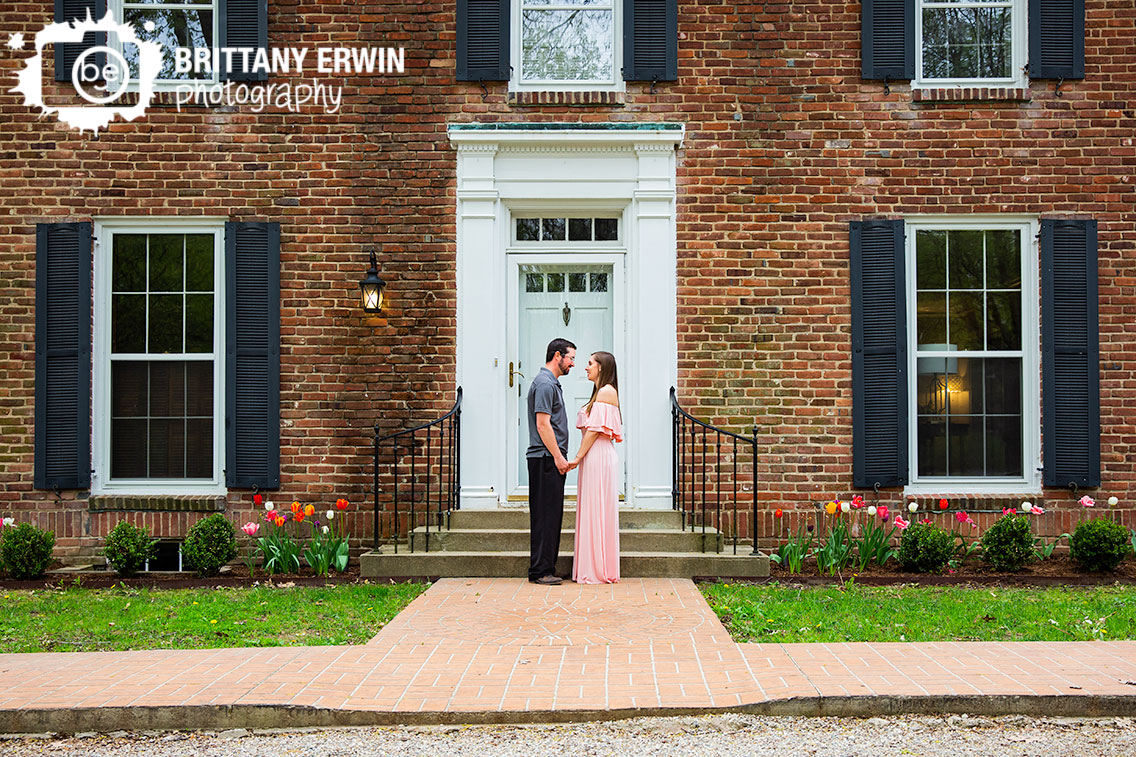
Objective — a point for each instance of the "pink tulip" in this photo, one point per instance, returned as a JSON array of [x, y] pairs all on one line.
[[1037, 510], [961, 517], [1087, 501], [900, 523], [883, 512], [251, 528], [1008, 511]]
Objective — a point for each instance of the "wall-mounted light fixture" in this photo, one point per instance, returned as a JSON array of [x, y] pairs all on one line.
[[372, 287]]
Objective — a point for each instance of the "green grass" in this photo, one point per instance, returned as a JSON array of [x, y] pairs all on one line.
[[775, 613], [86, 620]]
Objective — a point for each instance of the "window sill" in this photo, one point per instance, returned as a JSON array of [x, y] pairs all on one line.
[[583, 99], [932, 95], [161, 503]]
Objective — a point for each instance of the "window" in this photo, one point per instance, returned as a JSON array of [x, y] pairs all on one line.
[[975, 352], [176, 23], [567, 43], [567, 229], [157, 362], [970, 41]]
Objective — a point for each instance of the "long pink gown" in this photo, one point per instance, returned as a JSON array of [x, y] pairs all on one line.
[[596, 559]]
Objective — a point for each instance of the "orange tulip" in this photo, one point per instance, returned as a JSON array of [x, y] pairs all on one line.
[[830, 508], [777, 513], [340, 504], [309, 510], [295, 507], [299, 517], [280, 520]]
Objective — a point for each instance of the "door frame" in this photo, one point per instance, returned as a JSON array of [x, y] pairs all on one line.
[[514, 258]]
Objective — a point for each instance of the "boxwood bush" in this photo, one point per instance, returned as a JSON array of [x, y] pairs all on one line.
[[210, 544], [1099, 544], [128, 547], [1008, 544], [25, 551], [926, 548]]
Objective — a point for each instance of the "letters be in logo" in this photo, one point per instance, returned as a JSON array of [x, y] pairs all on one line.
[[94, 63]]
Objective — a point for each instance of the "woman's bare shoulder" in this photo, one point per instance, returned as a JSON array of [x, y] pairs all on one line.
[[608, 395]]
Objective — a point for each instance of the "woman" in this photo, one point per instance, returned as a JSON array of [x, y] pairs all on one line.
[[597, 503]]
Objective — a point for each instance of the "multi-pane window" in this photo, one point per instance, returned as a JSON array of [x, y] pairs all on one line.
[[969, 353], [162, 356], [967, 39], [567, 41], [175, 23], [563, 229]]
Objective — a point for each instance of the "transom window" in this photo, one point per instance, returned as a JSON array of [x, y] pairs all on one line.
[[971, 352], [968, 40], [561, 229], [567, 42], [162, 356], [176, 23]]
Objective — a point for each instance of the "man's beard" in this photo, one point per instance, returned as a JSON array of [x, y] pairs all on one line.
[[564, 366]]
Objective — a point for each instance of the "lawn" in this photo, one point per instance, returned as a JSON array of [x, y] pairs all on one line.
[[776, 613], [88, 620]]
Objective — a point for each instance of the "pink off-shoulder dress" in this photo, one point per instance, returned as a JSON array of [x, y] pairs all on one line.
[[596, 559]]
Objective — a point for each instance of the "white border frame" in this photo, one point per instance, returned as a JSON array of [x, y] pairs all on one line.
[[105, 229], [170, 85], [1030, 482], [1018, 50], [517, 84], [516, 257]]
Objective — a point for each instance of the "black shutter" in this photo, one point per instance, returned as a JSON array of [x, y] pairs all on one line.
[[243, 23], [67, 54], [483, 40], [650, 40], [252, 355], [1057, 39], [887, 39], [1070, 352], [879, 354], [63, 356]]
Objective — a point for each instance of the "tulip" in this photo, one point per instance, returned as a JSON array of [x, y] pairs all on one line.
[[883, 511], [269, 516], [325, 529], [258, 499], [943, 504], [900, 523], [961, 517], [1037, 510], [830, 508], [10, 522], [1086, 501], [1113, 501], [1027, 507], [1008, 511], [251, 528], [330, 514], [857, 501], [845, 507], [310, 510], [295, 507], [871, 509], [280, 519], [299, 517], [926, 520], [269, 506], [778, 513], [913, 507], [340, 504]]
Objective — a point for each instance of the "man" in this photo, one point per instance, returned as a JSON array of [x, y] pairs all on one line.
[[547, 461]]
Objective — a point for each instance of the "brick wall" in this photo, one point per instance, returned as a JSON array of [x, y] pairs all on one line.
[[785, 144]]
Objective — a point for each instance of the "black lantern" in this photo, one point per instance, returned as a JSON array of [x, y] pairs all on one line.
[[372, 287]]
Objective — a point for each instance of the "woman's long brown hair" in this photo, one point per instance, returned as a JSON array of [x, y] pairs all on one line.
[[608, 375]]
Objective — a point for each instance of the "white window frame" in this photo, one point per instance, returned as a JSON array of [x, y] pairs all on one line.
[[1018, 49], [105, 229], [517, 84], [1030, 481], [117, 7]]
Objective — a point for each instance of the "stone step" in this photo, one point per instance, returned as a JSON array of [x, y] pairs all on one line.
[[517, 540], [518, 518], [496, 564]]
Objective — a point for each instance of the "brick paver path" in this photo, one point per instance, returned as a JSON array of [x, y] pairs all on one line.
[[478, 645]]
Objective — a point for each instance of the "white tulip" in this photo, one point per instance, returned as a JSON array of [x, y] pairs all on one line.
[[325, 529], [871, 509], [913, 507], [9, 522], [1113, 501], [1027, 507], [845, 507], [330, 514], [268, 505]]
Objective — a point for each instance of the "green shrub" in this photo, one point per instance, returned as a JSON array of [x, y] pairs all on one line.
[[128, 548], [925, 548], [1008, 544], [210, 543], [1099, 544], [25, 550]]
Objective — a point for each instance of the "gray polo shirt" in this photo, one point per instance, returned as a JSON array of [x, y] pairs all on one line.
[[546, 396]]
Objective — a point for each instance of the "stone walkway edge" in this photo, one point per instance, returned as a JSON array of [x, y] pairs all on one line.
[[505, 651]]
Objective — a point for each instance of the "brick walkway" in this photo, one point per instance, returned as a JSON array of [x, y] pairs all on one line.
[[504, 645]]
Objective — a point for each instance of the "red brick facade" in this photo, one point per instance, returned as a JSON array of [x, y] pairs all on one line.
[[785, 144]]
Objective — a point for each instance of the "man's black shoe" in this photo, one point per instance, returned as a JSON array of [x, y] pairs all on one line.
[[548, 580]]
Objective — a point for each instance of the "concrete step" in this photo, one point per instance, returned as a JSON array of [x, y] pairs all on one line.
[[517, 540], [385, 564], [519, 519]]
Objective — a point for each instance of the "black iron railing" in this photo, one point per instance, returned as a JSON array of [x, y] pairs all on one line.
[[707, 480], [422, 466]]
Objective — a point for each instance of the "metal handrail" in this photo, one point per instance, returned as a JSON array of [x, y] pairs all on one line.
[[684, 457], [448, 466]]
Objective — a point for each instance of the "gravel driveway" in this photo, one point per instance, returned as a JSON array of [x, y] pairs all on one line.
[[710, 735]]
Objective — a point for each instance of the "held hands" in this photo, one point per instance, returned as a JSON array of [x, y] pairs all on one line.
[[564, 466]]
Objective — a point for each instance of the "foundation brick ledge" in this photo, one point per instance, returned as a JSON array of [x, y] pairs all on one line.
[[162, 503]]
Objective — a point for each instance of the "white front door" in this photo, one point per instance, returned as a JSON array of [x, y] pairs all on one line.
[[573, 297]]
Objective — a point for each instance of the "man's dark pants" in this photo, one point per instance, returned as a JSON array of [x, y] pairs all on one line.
[[546, 512]]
